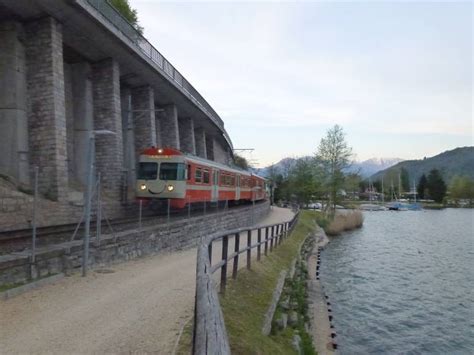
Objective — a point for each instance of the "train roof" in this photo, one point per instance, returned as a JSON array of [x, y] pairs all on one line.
[[154, 151]]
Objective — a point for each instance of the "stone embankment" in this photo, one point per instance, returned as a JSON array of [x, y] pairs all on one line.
[[319, 309], [123, 246]]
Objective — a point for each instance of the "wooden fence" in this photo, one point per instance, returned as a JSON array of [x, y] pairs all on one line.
[[210, 336]]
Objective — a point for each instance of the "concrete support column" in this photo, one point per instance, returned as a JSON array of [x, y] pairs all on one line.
[[169, 127], [210, 147], [159, 140], [83, 113], [128, 138], [200, 139], [143, 105], [108, 116], [186, 135], [46, 106], [220, 153], [13, 105]]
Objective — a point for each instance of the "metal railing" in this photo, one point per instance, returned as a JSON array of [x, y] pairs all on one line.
[[210, 335], [118, 21]]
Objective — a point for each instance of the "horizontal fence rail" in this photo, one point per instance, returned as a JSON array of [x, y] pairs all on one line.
[[121, 23], [210, 335]]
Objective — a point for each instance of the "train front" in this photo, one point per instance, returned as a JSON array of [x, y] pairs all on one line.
[[162, 175]]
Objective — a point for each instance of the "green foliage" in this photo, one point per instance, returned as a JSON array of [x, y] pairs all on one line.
[[131, 15], [405, 180], [462, 187], [333, 157], [241, 162], [422, 187], [436, 186]]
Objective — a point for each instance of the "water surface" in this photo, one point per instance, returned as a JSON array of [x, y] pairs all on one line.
[[403, 284]]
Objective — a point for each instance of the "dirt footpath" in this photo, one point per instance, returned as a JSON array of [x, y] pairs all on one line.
[[139, 307]]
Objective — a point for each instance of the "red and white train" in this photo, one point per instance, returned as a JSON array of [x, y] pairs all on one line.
[[166, 173]]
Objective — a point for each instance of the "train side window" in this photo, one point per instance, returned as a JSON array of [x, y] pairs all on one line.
[[206, 176], [188, 172], [198, 175], [238, 180]]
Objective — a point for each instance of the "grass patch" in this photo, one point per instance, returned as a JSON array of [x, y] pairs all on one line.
[[6, 287], [185, 344], [247, 300]]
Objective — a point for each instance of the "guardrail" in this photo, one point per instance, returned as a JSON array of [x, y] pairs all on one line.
[[210, 335], [121, 23]]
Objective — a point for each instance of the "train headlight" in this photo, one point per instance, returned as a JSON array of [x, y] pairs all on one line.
[[160, 151], [170, 188], [142, 187]]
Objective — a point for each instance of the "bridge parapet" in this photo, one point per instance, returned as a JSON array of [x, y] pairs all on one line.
[[163, 65]]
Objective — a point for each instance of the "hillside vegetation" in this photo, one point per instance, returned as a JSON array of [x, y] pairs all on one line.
[[456, 162]]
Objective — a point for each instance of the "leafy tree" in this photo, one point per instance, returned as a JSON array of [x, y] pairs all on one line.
[[422, 186], [352, 183], [462, 187], [405, 179], [241, 162], [436, 186], [123, 6], [303, 181], [333, 156]]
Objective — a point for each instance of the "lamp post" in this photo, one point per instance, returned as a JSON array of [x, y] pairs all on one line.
[[88, 195]]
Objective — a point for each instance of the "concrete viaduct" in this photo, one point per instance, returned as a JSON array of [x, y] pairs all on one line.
[[68, 67]]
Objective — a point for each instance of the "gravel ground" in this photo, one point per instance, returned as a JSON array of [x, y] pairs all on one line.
[[139, 307]]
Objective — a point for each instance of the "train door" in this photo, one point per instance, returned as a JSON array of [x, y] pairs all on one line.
[[237, 188], [215, 185]]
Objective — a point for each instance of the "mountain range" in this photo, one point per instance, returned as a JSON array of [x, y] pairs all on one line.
[[365, 168], [459, 161]]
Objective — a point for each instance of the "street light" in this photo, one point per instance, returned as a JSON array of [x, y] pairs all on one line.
[[90, 181]]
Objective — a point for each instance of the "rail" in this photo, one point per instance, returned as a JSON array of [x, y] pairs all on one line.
[[210, 335], [126, 28]]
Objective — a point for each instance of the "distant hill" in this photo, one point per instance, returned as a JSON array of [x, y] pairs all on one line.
[[369, 167], [459, 161]]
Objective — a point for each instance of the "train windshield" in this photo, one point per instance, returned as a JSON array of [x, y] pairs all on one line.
[[172, 171], [147, 171]]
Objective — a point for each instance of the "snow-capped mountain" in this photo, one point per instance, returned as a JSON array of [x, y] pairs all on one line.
[[369, 167]]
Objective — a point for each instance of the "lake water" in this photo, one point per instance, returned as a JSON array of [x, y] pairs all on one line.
[[403, 284]]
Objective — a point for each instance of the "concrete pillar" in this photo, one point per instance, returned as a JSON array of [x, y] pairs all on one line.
[[13, 104], [186, 135], [83, 112], [220, 153], [169, 127], [159, 140], [128, 137], [69, 107], [143, 106], [46, 107], [108, 116], [200, 139], [209, 146]]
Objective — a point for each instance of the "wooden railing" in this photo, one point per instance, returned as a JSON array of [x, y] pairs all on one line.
[[210, 336]]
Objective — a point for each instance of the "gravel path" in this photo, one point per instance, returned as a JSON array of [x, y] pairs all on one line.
[[139, 307]]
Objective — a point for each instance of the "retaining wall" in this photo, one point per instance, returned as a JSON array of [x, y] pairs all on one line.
[[126, 245]]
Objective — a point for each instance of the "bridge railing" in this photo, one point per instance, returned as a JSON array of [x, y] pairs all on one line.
[[210, 334], [121, 23]]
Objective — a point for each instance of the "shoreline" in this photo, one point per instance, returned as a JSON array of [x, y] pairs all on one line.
[[322, 330]]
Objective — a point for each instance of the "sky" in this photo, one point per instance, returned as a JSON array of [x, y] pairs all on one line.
[[397, 76]]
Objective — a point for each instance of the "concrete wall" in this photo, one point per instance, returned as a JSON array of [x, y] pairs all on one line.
[[169, 127], [200, 139], [178, 235], [13, 104]]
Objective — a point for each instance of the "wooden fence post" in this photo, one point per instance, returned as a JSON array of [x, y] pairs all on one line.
[[249, 243], [266, 241], [259, 247], [236, 258], [225, 242]]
